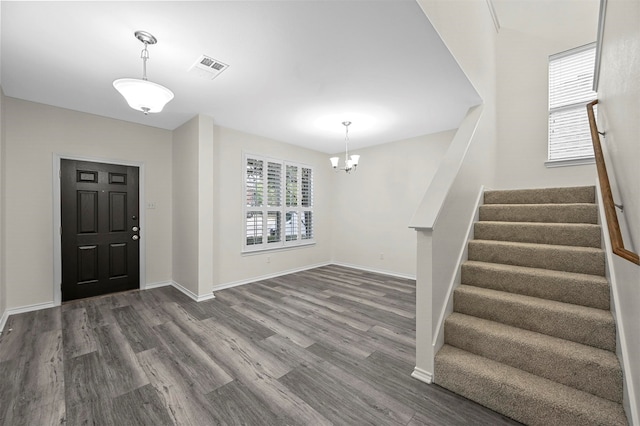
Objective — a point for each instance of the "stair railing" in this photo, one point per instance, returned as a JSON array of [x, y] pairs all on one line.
[[607, 196]]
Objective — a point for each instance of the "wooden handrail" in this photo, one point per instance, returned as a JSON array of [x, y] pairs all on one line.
[[607, 197]]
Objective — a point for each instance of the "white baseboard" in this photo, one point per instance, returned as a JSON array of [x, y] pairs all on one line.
[[156, 285], [422, 375], [375, 271], [268, 276], [191, 294], [22, 310]]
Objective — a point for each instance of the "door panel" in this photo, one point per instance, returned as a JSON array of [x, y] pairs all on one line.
[[100, 249]]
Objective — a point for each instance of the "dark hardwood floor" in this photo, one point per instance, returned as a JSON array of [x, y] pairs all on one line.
[[327, 346]]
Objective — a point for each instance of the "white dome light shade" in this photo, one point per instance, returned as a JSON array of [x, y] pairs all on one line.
[[143, 95]]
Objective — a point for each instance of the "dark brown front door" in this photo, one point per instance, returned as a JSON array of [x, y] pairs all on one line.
[[100, 228]]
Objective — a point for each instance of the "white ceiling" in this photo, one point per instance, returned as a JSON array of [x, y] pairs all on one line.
[[297, 68]]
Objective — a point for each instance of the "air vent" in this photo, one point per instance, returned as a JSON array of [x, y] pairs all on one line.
[[208, 67]]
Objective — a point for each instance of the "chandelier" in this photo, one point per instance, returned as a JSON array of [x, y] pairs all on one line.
[[143, 95], [350, 163]]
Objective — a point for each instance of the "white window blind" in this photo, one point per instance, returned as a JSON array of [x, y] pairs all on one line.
[[570, 89], [278, 210]]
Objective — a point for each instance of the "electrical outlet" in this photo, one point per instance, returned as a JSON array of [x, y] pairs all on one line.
[[268, 259], [381, 256]]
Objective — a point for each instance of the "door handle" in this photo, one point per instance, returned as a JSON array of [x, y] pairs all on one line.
[[135, 238]]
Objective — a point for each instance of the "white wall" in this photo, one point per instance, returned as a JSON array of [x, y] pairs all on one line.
[[522, 90], [373, 206], [619, 105], [33, 133], [236, 267]]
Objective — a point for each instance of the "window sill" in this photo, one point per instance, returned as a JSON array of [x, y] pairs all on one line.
[[570, 162], [249, 252]]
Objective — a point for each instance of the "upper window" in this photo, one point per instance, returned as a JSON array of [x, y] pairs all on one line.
[[570, 90], [278, 208]]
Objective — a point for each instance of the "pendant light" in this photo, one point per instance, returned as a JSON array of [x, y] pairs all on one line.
[[143, 95], [350, 163]]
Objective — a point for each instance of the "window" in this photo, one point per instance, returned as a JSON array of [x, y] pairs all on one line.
[[278, 208], [570, 89]]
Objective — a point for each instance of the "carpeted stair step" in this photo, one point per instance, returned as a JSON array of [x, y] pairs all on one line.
[[565, 362], [567, 287], [578, 194], [566, 234], [583, 260], [580, 324], [551, 213], [522, 396]]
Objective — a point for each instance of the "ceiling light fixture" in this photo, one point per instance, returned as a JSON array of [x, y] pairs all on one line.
[[350, 163], [144, 95]]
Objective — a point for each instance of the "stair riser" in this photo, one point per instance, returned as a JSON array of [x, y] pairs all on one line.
[[565, 235], [531, 354], [584, 194], [584, 213], [565, 324], [586, 291], [556, 258]]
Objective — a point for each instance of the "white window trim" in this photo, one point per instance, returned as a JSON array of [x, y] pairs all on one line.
[[282, 244], [576, 160]]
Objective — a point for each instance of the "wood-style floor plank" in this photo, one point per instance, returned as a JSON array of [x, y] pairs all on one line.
[[236, 404], [78, 335], [331, 345]]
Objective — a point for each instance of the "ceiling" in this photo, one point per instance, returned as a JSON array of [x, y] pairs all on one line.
[[297, 68]]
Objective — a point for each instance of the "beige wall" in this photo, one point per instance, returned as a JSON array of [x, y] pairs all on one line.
[[33, 133], [238, 267], [193, 205], [619, 105], [373, 206], [185, 212], [3, 292], [522, 93]]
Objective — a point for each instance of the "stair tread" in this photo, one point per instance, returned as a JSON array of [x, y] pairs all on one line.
[[568, 287], [523, 205], [539, 271], [588, 260], [528, 337], [571, 225], [523, 396], [600, 314], [557, 359], [549, 195], [540, 213], [568, 234], [539, 246], [591, 326]]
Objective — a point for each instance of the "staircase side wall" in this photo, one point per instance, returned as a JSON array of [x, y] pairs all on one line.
[[468, 30], [624, 278], [619, 106]]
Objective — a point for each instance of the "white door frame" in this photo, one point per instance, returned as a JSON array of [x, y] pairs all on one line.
[[57, 218]]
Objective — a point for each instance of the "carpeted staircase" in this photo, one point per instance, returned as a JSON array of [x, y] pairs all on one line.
[[531, 335]]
